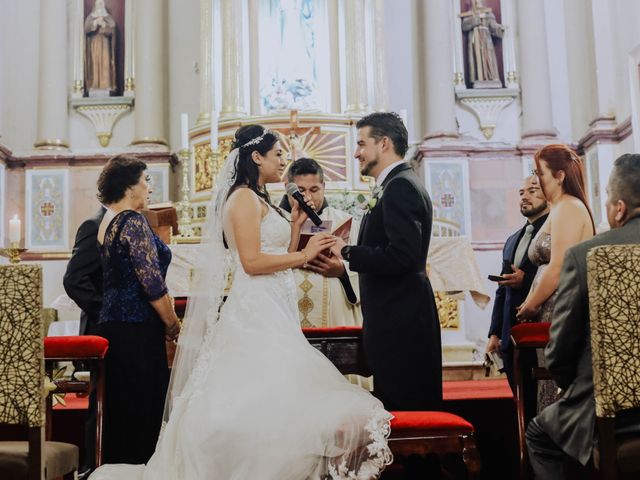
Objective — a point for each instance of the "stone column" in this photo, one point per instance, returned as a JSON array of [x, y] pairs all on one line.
[[380, 89], [440, 119], [150, 58], [356, 56], [333, 13], [232, 59], [537, 119], [77, 32], [52, 127], [254, 57], [206, 70]]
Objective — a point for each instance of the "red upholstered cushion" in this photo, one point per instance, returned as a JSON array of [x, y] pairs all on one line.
[[531, 334], [180, 304], [84, 346], [332, 332], [425, 423]]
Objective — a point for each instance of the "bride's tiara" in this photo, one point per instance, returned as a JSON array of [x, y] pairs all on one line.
[[257, 140]]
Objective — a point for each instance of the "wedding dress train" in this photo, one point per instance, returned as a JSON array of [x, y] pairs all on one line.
[[263, 404]]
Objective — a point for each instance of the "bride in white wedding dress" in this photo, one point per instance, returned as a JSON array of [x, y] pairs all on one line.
[[250, 398]]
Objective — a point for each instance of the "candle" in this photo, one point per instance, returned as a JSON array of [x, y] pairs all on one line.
[[403, 116], [184, 131], [214, 131], [14, 229]]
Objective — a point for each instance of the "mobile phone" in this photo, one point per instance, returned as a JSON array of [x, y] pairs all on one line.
[[495, 278]]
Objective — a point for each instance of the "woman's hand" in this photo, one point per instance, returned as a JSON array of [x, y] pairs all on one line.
[[527, 312], [298, 216], [318, 243], [172, 331]]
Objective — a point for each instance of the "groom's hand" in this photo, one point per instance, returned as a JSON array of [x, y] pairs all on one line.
[[327, 266]]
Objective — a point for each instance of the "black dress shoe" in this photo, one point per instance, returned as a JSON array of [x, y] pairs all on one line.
[[84, 474]]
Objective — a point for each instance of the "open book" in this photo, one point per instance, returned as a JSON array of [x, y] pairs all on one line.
[[309, 229]]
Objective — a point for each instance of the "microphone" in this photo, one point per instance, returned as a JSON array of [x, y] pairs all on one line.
[[292, 190]]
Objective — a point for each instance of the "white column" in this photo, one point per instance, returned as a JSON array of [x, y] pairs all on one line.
[[458, 55], [440, 120], [355, 42], [333, 13], [232, 59], [150, 58], [52, 128], [380, 88], [77, 33], [254, 56], [508, 44], [605, 56], [129, 48], [537, 119], [206, 68]]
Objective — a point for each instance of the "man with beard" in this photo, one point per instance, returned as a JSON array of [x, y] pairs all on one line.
[[401, 330], [518, 272]]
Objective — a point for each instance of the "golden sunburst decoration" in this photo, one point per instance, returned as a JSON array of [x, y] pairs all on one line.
[[329, 149]]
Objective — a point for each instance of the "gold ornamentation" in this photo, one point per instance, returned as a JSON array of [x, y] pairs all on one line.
[[51, 144], [458, 78], [144, 140], [12, 253], [512, 77], [305, 304], [329, 149], [448, 311], [203, 174], [129, 84], [487, 131]]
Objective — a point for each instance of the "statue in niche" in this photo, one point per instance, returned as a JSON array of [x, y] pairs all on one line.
[[100, 52], [481, 25]]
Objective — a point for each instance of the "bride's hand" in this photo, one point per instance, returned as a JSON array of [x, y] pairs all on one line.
[[318, 243], [298, 216]]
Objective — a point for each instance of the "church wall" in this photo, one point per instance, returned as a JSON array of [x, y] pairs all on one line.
[[19, 69], [627, 13]]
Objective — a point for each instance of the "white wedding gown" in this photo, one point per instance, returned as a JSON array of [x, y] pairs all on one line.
[[271, 407]]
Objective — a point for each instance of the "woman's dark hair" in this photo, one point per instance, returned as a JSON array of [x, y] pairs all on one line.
[[118, 175], [247, 172], [561, 157]]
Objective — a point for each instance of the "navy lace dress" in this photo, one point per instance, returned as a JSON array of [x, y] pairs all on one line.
[[134, 264]]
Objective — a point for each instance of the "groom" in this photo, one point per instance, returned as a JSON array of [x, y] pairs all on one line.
[[401, 331]]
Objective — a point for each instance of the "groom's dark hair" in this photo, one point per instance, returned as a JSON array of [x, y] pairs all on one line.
[[387, 124]]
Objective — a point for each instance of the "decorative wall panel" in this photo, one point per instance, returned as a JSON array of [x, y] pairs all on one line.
[[47, 209]]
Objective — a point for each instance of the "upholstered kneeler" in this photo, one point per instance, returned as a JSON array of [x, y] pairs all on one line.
[[526, 336], [89, 349], [22, 401], [440, 433]]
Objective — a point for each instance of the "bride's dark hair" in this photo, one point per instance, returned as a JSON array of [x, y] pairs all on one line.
[[247, 172]]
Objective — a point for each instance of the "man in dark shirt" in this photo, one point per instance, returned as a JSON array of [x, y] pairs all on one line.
[[518, 272]]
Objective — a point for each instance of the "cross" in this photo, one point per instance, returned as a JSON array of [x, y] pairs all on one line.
[[295, 132], [47, 209], [447, 200]]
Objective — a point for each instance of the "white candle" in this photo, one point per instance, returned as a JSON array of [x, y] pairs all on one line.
[[14, 229], [184, 131], [403, 116], [214, 131]]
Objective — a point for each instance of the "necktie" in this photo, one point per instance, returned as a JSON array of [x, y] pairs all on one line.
[[523, 245]]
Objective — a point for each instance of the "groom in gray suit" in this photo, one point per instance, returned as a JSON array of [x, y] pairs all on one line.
[[566, 428]]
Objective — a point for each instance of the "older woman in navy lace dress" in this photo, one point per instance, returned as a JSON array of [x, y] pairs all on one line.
[[136, 317]]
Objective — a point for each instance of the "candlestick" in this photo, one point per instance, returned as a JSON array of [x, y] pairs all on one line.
[[184, 131], [14, 229], [214, 131]]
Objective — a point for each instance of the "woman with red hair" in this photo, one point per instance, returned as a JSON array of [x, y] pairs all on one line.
[[559, 170]]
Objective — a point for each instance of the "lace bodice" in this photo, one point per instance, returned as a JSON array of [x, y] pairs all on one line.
[[540, 249]]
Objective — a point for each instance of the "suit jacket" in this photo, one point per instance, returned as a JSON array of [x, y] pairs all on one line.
[[570, 421], [507, 299], [83, 278], [401, 330]]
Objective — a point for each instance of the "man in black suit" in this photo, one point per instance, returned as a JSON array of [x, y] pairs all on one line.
[[83, 283], [401, 330], [518, 272], [566, 427]]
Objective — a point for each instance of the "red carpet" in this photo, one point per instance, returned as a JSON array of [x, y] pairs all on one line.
[[453, 390]]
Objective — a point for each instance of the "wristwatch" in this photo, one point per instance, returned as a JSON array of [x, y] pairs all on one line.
[[346, 252]]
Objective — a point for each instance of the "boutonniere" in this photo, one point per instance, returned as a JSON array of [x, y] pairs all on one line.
[[368, 205]]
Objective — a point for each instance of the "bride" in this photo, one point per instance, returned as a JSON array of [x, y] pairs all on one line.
[[249, 397]]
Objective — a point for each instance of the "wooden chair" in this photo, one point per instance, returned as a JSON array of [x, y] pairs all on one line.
[[412, 433], [22, 401], [613, 275], [526, 336], [91, 350]]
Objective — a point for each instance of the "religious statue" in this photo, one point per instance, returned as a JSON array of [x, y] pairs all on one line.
[[100, 56], [481, 25]]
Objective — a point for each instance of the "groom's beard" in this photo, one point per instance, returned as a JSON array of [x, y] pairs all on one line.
[[366, 169]]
